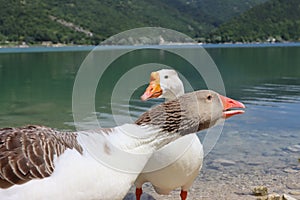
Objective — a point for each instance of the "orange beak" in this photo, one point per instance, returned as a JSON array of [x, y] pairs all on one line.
[[153, 90], [230, 107]]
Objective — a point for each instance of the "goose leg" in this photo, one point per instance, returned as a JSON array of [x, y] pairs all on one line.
[[183, 195], [138, 193]]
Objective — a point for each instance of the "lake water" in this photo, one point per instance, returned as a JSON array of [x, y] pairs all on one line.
[[36, 88]]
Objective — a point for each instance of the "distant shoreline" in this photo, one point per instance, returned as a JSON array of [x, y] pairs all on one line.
[[41, 48]]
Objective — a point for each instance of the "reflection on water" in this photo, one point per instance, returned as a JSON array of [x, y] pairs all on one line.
[[275, 104], [274, 93]]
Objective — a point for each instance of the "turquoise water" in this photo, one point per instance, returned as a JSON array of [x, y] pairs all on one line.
[[36, 83]]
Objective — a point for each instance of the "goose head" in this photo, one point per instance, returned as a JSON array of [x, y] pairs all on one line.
[[191, 112], [164, 83]]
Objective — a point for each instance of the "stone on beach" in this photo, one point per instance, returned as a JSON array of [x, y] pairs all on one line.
[[225, 162], [260, 191], [287, 197], [274, 196], [293, 148]]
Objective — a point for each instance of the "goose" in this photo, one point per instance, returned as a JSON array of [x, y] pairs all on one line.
[[38, 162], [164, 83], [183, 171]]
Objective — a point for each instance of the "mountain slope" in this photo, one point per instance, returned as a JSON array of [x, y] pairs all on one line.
[[275, 20], [91, 21], [214, 12], [40, 20]]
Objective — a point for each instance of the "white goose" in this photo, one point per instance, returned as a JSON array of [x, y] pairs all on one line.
[[38, 163], [182, 172]]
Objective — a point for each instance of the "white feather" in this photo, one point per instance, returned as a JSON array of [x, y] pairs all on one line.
[[178, 163], [108, 167]]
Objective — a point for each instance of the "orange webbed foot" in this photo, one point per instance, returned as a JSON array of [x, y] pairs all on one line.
[[183, 195], [138, 193]]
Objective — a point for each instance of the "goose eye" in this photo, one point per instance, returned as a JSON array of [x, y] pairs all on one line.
[[166, 76], [209, 97]]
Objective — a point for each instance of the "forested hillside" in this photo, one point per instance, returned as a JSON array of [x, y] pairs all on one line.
[[214, 12], [91, 21], [275, 20]]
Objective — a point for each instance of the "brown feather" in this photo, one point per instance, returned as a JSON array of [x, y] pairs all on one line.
[[189, 113], [28, 152], [169, 116]]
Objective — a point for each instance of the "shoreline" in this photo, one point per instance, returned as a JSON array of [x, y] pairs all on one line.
[[56, 48], [228, 181], [213, 185]]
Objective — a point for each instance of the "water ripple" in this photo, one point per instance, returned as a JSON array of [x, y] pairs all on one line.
[[269, 93]]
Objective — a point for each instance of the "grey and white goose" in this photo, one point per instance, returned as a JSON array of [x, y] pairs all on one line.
[[186, 165], [38, 162]]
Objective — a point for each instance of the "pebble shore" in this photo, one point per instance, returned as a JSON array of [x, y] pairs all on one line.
[[233, 169]]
